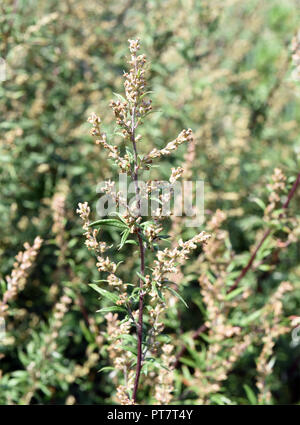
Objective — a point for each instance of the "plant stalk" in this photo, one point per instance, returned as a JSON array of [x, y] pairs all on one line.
[[142, 268]]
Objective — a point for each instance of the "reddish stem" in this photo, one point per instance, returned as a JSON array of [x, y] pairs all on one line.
[[140, 323], [142, 256]]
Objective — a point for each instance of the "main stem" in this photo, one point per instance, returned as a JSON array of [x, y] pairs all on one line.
[[142, 268]]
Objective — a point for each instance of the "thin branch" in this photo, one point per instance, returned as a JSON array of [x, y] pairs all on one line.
[[250, 262], [266, 234]]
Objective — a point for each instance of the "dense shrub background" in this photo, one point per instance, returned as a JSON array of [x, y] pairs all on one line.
[[222, 68]]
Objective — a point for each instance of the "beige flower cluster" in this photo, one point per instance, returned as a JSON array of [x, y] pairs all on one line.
[[276, 188], [17, 280], [120, 358], [169, 259], [101, 139], [185, 136], [296, 56], [164, 382], [60, 309], [58, 207], [272, 329], [90, 235]]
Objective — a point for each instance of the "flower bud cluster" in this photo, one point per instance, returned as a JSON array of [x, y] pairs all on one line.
[[17, 280]]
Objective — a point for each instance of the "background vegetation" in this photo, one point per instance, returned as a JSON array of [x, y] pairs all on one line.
[[222, 68]]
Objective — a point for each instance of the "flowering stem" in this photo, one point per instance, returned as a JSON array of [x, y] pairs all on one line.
[[142, 268], [266, 234], [140, 322]]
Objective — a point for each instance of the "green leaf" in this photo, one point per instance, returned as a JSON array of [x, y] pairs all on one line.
[[130, 155], [119, 215], [188, 362], [251, 318], [86, 332], [100, 280], [118, 264], [120, 97], [113, 308], [20, 374], [158, 291], [131, 242], [260, 203], [141, 277], [154, 363], [128, 338], [146, 223], [3, 285], [106, 368], [132, 350], [250, 394], [124, 238], [104, 293], [207, 338], [234, 293], [44, 389], [265, 267], [109, 222], [177, 295], [145, 94], [220, 399]]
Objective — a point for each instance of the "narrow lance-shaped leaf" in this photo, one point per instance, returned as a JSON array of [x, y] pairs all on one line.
[[109, 222], [113, 308], [176, 295], [112, 297], [124, 238]]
